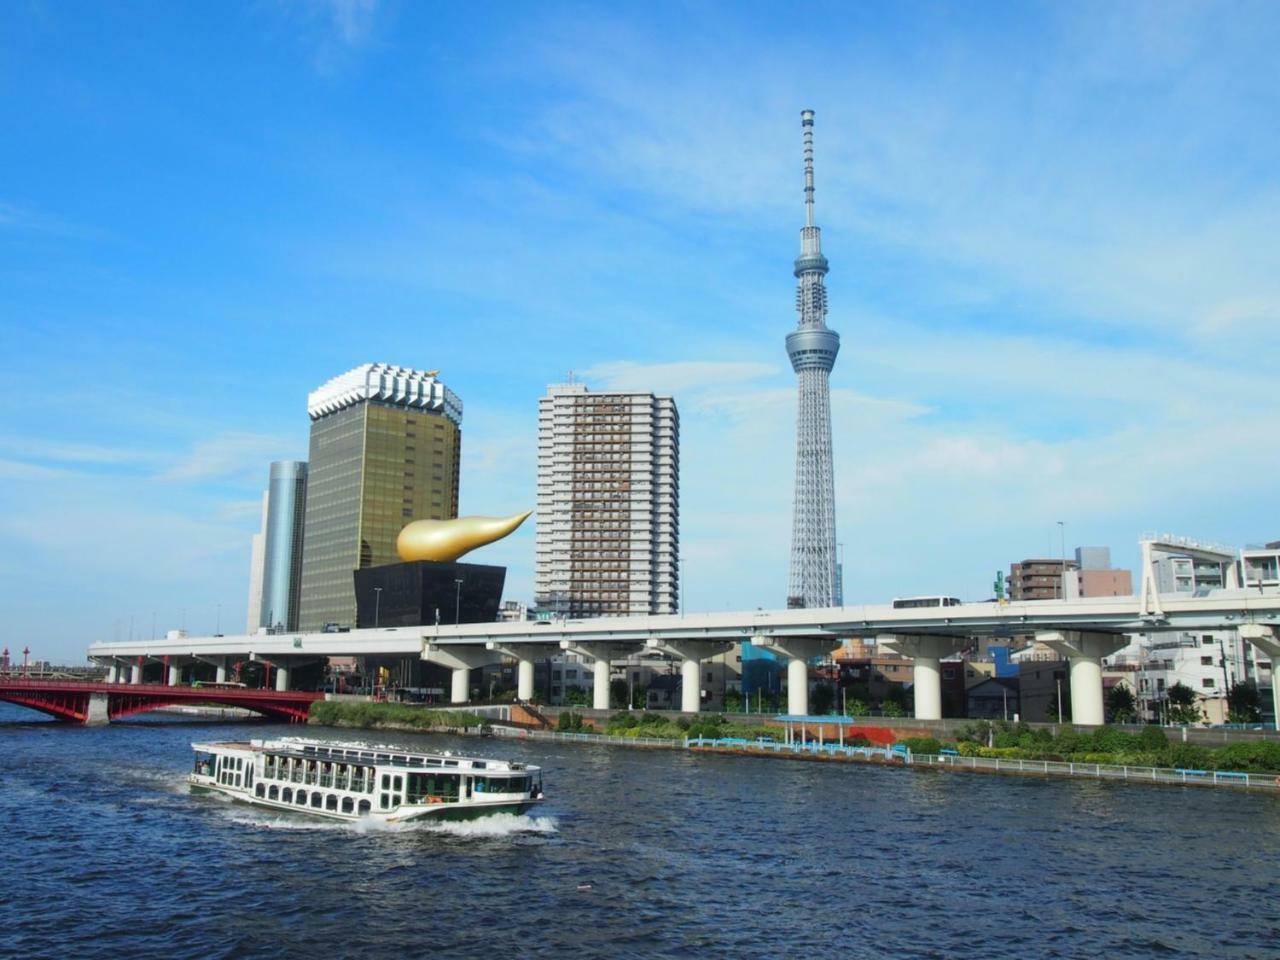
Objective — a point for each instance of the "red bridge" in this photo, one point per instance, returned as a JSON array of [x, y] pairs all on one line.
[[89, 701]]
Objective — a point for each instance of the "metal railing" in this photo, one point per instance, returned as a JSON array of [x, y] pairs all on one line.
[[1059, 768], [1104, 771]]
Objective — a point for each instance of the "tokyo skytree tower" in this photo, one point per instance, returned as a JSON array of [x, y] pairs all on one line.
[[812, 349]]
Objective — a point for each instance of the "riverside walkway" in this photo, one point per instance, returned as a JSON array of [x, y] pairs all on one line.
[[903, 757]]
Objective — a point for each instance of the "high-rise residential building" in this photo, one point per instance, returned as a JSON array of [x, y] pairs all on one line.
[[812, 348], [257, 555], [385, 445], [282, 549], [608, 539]]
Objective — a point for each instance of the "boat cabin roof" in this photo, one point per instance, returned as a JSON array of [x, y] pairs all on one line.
[[351, 752]]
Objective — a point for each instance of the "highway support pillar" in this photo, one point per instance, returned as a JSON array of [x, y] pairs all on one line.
[[691, 654], [600, 655], [113, 672], [220, 670], [98, 712], [1084, 652], [798, 651], [1267, 639], [524, 655], [926, 651], [282, 675], [461, 661], [174, 671], [135, 672]]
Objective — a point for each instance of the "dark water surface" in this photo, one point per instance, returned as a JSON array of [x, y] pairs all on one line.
[[637, 854]]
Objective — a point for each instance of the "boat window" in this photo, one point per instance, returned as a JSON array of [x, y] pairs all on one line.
[[386, 781], [273, 793], [316, 800], [301, 798], [384, 801], [364, 807], [432, 787], [331, 802], [397, 785], [347, 804], [260, 791], [287, 795]]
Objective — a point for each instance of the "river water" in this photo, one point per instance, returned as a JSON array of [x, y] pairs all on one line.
[[636, 854]]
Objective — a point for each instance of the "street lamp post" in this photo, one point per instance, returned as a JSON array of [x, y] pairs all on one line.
[[377, 604], [1059, 682], [25, 672], [457, 602]]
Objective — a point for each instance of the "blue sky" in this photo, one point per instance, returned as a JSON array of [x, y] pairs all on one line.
[[1052, 232]]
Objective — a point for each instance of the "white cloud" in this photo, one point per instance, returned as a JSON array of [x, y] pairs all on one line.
[[68, 452], [235, 455]]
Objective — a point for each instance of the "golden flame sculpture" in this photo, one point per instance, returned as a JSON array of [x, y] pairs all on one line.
[[447, 540]]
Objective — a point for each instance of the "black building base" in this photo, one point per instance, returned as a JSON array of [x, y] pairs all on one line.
[[424, 592]]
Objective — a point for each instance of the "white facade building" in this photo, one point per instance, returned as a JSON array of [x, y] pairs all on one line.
[[608, 536], [1211, 662], [257, 573]]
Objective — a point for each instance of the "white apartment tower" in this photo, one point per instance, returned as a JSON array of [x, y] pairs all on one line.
[[608, 541]]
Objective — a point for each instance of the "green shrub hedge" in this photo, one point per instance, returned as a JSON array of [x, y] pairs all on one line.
[[369, 715]]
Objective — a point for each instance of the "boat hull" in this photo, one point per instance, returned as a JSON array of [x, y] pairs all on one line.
[[444, 812]]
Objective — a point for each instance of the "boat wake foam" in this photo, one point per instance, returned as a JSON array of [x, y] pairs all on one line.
[[496, 825]]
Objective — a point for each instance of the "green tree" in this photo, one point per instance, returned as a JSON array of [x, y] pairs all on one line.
[[575, 697], [893, 708], [733, 701], [618, 694], [823, 699], [1243, 703], [1182, 706], [1121, 704]]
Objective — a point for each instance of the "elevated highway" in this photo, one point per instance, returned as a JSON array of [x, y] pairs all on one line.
[[1084, 631]]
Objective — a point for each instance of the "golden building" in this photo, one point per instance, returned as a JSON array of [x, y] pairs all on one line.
[[385, 449]]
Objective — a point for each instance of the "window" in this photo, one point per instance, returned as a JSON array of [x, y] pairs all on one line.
[[348, 805], [331, 802], [316, 799], [287, 795], [1206, 640], [273, 793], [301, 798], [364, 807], [1207, 682], [1206, 661]]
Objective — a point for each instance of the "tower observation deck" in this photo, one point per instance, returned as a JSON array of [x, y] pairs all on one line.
[[812, 347]]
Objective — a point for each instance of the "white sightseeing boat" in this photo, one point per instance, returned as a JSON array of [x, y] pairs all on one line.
[[351, 781]]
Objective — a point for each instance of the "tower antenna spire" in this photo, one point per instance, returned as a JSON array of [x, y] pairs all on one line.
[[806, 122]]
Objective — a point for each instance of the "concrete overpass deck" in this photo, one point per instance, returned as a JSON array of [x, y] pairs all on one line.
[[1084, 630]]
